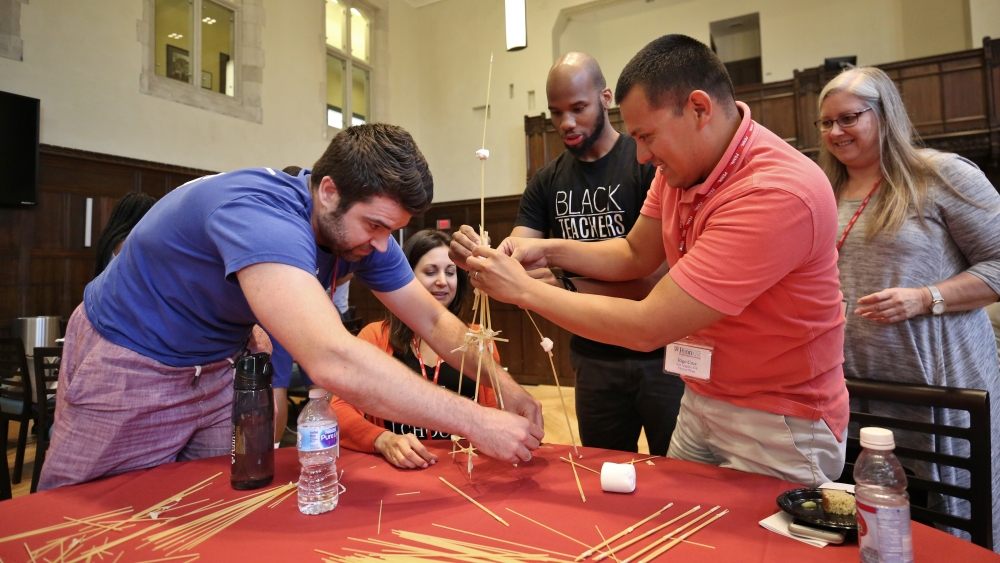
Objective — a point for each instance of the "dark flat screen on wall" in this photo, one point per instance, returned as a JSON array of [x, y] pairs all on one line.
[[19, 118]]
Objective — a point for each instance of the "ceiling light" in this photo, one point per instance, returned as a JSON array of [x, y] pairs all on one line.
[[208, 20], [517, 32], [355, 12]]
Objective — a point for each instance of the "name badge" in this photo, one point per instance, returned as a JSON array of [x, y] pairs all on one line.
[[690, 357]]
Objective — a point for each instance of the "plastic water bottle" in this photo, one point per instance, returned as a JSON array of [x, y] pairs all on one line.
[[319, 447], [883, 506]]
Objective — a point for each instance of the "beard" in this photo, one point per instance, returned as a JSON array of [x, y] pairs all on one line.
[[335, 235], [583, 148]]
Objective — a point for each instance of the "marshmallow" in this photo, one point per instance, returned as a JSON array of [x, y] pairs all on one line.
[[483, 154], [618, 477], [546, 344]]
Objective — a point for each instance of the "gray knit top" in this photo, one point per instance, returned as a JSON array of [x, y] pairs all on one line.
[[956, 349]]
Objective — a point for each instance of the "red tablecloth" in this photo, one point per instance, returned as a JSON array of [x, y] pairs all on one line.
[[542, 489]]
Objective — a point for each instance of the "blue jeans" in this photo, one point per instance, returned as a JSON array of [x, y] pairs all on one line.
[[616, 399]]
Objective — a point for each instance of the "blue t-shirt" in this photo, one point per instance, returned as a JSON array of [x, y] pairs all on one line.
[[172, 293]]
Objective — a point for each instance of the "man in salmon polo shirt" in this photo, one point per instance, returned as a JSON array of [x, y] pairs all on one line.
[[750, 312]]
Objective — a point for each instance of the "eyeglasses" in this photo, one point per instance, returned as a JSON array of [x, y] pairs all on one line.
[[845, 121]]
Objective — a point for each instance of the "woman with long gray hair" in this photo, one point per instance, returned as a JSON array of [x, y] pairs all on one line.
[[919, 259]]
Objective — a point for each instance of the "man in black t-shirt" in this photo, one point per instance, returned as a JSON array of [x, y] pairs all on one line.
[[592, 192]]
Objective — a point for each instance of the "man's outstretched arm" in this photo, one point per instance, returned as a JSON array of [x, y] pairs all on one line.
[[291, 305]]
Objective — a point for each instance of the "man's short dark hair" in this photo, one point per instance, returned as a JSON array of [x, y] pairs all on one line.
[[376, 159], [669, 68]]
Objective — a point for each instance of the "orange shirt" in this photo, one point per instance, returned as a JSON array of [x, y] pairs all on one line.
[[762, 250], [357, 430]]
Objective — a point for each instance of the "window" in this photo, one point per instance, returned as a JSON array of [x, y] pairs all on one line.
[[205, 53], [348, 63], [216, 63]]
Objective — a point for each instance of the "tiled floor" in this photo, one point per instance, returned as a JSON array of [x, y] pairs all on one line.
[[552, 410]]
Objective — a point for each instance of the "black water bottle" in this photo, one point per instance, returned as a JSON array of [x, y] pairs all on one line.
[[253, 423]]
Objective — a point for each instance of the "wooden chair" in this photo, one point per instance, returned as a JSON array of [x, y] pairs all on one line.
[[978, 464], [15, 398], [46, 372]]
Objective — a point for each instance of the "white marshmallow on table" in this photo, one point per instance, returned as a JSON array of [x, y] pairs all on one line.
[[483, 154], [618, 477]]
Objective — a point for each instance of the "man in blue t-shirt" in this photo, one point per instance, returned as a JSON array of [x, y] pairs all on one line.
[[147, 365]]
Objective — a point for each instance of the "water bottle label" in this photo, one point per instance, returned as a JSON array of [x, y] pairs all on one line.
[[317, 438], [884, 534]]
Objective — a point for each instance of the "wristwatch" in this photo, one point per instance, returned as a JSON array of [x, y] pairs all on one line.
[[937, 302]]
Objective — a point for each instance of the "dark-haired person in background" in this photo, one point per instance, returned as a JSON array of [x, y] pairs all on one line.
[[124, 216], [427, 254], [148, 355], [750, 311]]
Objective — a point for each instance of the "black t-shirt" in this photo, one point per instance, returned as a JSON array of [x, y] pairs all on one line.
[[447, 378], [589, 201]]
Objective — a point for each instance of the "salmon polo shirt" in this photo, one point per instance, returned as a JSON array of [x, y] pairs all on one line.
[[762, 251]]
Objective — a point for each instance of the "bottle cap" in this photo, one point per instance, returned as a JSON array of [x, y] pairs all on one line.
[[317, 393], [253, 372], [877, 439]]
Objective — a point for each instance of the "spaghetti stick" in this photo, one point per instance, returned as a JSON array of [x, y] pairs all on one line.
[[94, 551], [473, 501], [379, 518], [555, 376], [624, 532], [502, 541], [553, 530], [645, 535], [635, 461], [570, 460], [676, 531], [610, 550], [578, 485], [64, 525], [658, 552]]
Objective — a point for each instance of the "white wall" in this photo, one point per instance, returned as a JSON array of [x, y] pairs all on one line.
[[84, 59], [794, 34], [985, 18]]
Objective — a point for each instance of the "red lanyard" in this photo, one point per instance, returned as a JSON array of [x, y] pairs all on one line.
[[699, 200], [420, 360], [857, 214]]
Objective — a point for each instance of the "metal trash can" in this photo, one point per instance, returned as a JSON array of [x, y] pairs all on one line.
[[36, 331]]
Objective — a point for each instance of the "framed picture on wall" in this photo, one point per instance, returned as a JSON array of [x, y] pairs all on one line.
[[206, 79], [178, 64]]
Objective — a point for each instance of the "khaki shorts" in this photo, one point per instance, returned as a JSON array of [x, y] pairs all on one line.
[[720, 433]]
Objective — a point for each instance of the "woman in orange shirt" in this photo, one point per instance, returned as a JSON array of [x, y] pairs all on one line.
[[427, 253]]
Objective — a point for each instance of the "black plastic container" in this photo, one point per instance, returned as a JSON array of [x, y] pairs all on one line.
[[253, 423]]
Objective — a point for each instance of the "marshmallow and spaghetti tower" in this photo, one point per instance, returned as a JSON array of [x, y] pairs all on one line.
[[481, 335]]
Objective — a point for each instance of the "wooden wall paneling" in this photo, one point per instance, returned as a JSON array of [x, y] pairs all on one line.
[[154, 182], [963, 87], [920, 88], [553, 143], [615, 118], [42, 249], [781, 115], [991, 64], [807, 87], [534, 129]]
